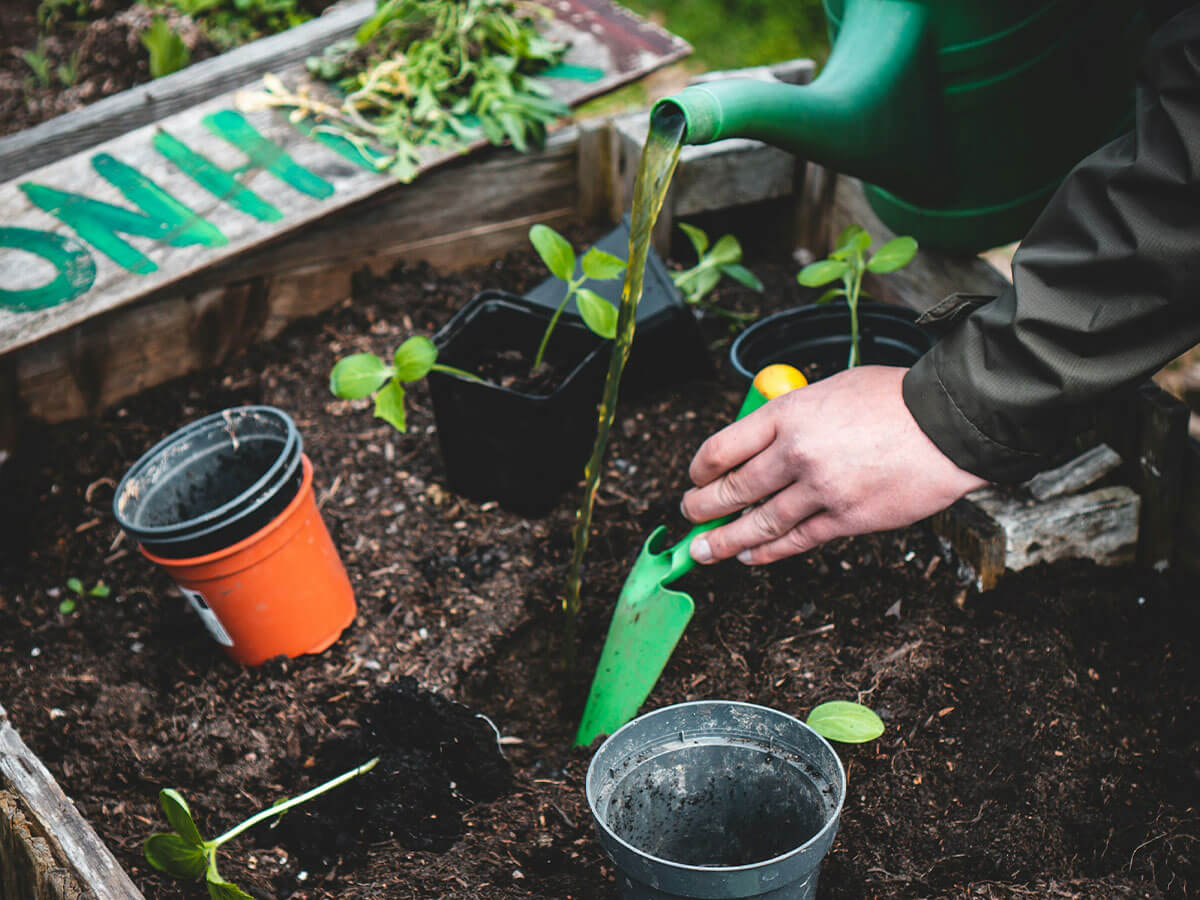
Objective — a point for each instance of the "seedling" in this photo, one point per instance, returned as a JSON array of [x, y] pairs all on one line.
[[229, 23], [362, 374], [39, 63], [848, 262], [845, 722], [597, 313], [168, 52], [722, 258], [183, 853], [75, 586]]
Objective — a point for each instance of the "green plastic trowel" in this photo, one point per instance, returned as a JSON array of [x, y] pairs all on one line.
[[650, 617]]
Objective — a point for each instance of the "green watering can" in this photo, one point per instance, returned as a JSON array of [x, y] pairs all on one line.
[[961, 115]]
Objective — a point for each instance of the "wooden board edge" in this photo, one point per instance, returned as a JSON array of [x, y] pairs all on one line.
[[81, 129], [58, 822]]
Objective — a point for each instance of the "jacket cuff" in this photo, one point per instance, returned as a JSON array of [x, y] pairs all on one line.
[[943, 420]]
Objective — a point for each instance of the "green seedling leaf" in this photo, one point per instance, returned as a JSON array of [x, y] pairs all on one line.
[[845, 722], [598, 314], [389, 406], [75, 586], [696, 283], [831, 294], [602, 266], [554, 250], [177, 857], [176, 810], [895, 254], [67, 607], [852, 238], [358, 375], [414, 358], [100, 590], [223, 890], [742, 275], [168, 52], [698, 238], [725, 251], [822, 272]]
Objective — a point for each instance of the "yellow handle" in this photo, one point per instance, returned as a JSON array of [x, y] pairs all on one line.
[[776, 380]]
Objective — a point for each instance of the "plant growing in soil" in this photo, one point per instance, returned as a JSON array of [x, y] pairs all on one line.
[[100, 590], [848, 262], [362, 374], [229, 23], [597, 313], [722, 258], [183, 853], [423, 73], [845, 722], [168, 52], [39, 63]]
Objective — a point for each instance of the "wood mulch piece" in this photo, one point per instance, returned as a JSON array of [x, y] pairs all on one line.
[[1041, 739]]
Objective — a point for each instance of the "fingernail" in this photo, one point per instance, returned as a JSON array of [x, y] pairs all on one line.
[[744, 557], [701, 552]]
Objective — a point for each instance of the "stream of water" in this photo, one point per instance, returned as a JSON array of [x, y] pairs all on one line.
[[660, 154]]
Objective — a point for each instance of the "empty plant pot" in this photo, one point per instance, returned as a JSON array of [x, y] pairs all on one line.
[[820, 335], [280, 591], [211, 483], [716, 799]]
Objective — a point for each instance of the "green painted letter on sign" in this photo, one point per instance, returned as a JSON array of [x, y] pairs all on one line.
[[75, 267]]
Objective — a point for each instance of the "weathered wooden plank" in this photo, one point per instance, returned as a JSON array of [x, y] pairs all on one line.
[[464, 214], [55, 820], [28, 868], [976, 538], [1101, 525], [82, 129], [294, 179], [1072, 477]]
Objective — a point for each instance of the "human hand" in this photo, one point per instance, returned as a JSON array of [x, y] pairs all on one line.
[[840, 457]]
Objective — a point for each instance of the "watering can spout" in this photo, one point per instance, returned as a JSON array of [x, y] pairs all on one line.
[[871, 113]]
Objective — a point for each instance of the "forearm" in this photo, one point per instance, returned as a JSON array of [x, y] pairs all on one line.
[[1106, 288]]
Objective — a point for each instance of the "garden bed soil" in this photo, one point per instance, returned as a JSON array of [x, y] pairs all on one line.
[[102, 51], [1041, 739]]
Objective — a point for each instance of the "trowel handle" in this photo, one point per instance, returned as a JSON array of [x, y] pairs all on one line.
[[771, 382]]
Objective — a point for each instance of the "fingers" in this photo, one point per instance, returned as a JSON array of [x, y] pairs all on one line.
[[759, 478], [761, 526], [808, 534], [732, 446]]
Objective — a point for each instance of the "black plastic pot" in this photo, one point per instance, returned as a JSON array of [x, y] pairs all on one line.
[[820, 335], [668, 347], [519, 449], [211, 483]]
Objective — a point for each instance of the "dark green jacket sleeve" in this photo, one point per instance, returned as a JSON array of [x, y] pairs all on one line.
[[1106, 288]]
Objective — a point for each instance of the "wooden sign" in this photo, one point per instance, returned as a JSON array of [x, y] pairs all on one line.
[[109, 225]]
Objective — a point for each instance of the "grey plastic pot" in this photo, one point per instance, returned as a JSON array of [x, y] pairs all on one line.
[[212, 483], [716, 799]]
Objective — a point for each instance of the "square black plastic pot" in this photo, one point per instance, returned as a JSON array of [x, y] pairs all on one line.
[[522, 450], [668, 347]]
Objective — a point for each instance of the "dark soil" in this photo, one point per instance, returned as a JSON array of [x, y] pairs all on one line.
[[92, 49], [1041, 739]]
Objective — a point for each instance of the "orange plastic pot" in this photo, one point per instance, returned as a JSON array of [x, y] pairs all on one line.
[[283, 590]]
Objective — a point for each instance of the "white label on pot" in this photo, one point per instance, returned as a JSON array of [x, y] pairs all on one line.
[[207, 616]]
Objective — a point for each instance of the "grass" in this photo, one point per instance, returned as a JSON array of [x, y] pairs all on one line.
[[731, 34]]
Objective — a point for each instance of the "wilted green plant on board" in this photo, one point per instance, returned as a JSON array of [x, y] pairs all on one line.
[[845, 722], [430, 73], [724, 258], [848, 262], [597, 313], [168, 52], [76, 587], [183, 853], [362, 374]]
